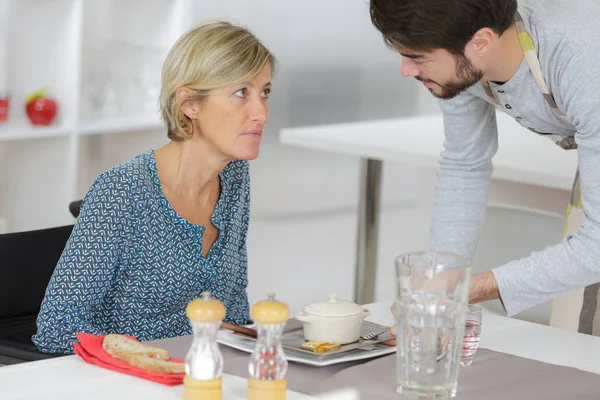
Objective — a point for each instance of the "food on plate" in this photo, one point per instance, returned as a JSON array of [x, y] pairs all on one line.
[[125, 348], [321, 347]]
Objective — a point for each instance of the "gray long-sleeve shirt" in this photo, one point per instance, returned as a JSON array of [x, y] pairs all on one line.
[[566, 35]]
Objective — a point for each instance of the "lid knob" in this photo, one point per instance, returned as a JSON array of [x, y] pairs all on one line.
[[333, 297], [270, 311], [205, 309]]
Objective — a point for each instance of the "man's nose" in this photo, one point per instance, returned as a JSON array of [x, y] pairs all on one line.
[[408, 68]]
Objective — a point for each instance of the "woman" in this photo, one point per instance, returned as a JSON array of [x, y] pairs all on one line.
[[158, 230]]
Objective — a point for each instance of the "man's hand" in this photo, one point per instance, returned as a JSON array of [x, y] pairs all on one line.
[[483, 287]]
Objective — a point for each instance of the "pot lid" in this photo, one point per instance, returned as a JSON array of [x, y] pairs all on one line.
[[333, 307]]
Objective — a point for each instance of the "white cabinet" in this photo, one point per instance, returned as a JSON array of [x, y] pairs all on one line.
[[101, 61]]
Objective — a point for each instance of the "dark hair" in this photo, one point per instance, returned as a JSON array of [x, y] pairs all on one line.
[[425, 25]]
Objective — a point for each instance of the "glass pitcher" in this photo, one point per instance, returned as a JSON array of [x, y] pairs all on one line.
[[430, 307]]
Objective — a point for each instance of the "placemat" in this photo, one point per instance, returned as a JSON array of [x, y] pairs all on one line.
[[491, 376]]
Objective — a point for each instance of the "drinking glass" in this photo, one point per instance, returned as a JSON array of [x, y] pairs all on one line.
[[431, 302], [472, 333]]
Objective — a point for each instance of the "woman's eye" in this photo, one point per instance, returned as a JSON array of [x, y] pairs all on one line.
[[266, 93], [241, 93]]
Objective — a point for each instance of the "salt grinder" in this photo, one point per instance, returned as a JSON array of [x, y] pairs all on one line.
[[268, 364], [204, 361]]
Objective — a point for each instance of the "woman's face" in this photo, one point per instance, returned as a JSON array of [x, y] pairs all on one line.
[[232, 118]]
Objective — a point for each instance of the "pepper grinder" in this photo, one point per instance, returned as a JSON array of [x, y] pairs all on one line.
[[268, 363], [204, 361]]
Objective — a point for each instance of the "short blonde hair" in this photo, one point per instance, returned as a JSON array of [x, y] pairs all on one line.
[[210, 56]]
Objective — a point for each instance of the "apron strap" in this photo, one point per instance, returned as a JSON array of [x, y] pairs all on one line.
[[528, 47], [526, 42]]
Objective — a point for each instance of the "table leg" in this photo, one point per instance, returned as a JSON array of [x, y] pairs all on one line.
[[368, 228]]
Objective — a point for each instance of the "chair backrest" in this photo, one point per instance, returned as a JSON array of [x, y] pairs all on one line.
[[75, 207], [27, 261]]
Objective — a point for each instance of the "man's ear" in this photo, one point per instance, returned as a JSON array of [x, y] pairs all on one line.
[[184, 96], [481, 42]]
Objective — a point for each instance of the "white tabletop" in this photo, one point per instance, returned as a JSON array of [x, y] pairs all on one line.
[[523, 156], [525, 339], [71, 378]]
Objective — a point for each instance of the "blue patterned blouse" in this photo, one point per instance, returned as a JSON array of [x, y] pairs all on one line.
[[132, 264]]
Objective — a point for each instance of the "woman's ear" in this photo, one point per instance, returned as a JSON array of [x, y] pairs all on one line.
[[189, 106]]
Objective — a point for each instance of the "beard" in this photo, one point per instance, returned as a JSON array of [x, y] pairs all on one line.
[[466, 76]]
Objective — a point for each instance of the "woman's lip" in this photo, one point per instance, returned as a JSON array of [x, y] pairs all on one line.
[[253, 133]]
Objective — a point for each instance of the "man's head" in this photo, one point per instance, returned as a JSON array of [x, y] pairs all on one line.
[[446, 44]]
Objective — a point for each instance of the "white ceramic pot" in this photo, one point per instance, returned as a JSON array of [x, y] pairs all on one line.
[[333, 320]]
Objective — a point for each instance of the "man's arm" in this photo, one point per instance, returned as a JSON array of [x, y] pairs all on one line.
[[575, 262], [483, 288], [471, 140]]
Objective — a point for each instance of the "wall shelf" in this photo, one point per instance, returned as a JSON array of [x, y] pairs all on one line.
[[103, 68], [14, 132], [120, 125]]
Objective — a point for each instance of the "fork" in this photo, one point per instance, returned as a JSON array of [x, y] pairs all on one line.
[[372, 335]]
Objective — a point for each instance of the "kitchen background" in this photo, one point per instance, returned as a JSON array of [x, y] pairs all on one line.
[[100, 60]]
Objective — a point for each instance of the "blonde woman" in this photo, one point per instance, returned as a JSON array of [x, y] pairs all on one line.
[[158, 230]]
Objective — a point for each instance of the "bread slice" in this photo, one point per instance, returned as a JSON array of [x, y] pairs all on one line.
[[154, 365], [125, 348]]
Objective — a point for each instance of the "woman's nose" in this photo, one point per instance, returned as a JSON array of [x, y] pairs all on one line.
[[260, 111]]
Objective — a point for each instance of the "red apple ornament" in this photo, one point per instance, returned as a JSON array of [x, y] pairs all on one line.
[[40, 109]]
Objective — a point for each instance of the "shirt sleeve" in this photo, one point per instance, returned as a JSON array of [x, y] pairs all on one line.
[[85, 269], [464, 174], [573, 263]]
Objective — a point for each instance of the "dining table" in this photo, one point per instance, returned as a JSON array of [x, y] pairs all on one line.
[[522, 157], [514, 357]]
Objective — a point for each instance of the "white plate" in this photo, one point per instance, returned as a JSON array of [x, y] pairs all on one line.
[[244, 343]]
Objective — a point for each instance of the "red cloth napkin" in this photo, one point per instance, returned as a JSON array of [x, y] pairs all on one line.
[[90, 349]]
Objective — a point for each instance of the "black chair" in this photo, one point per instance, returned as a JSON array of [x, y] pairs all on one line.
[[74, 207], [27, 260]]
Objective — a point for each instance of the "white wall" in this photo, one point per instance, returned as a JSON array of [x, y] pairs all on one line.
[[334, 67]]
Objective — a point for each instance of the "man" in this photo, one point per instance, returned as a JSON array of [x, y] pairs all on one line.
[[537, 62]]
